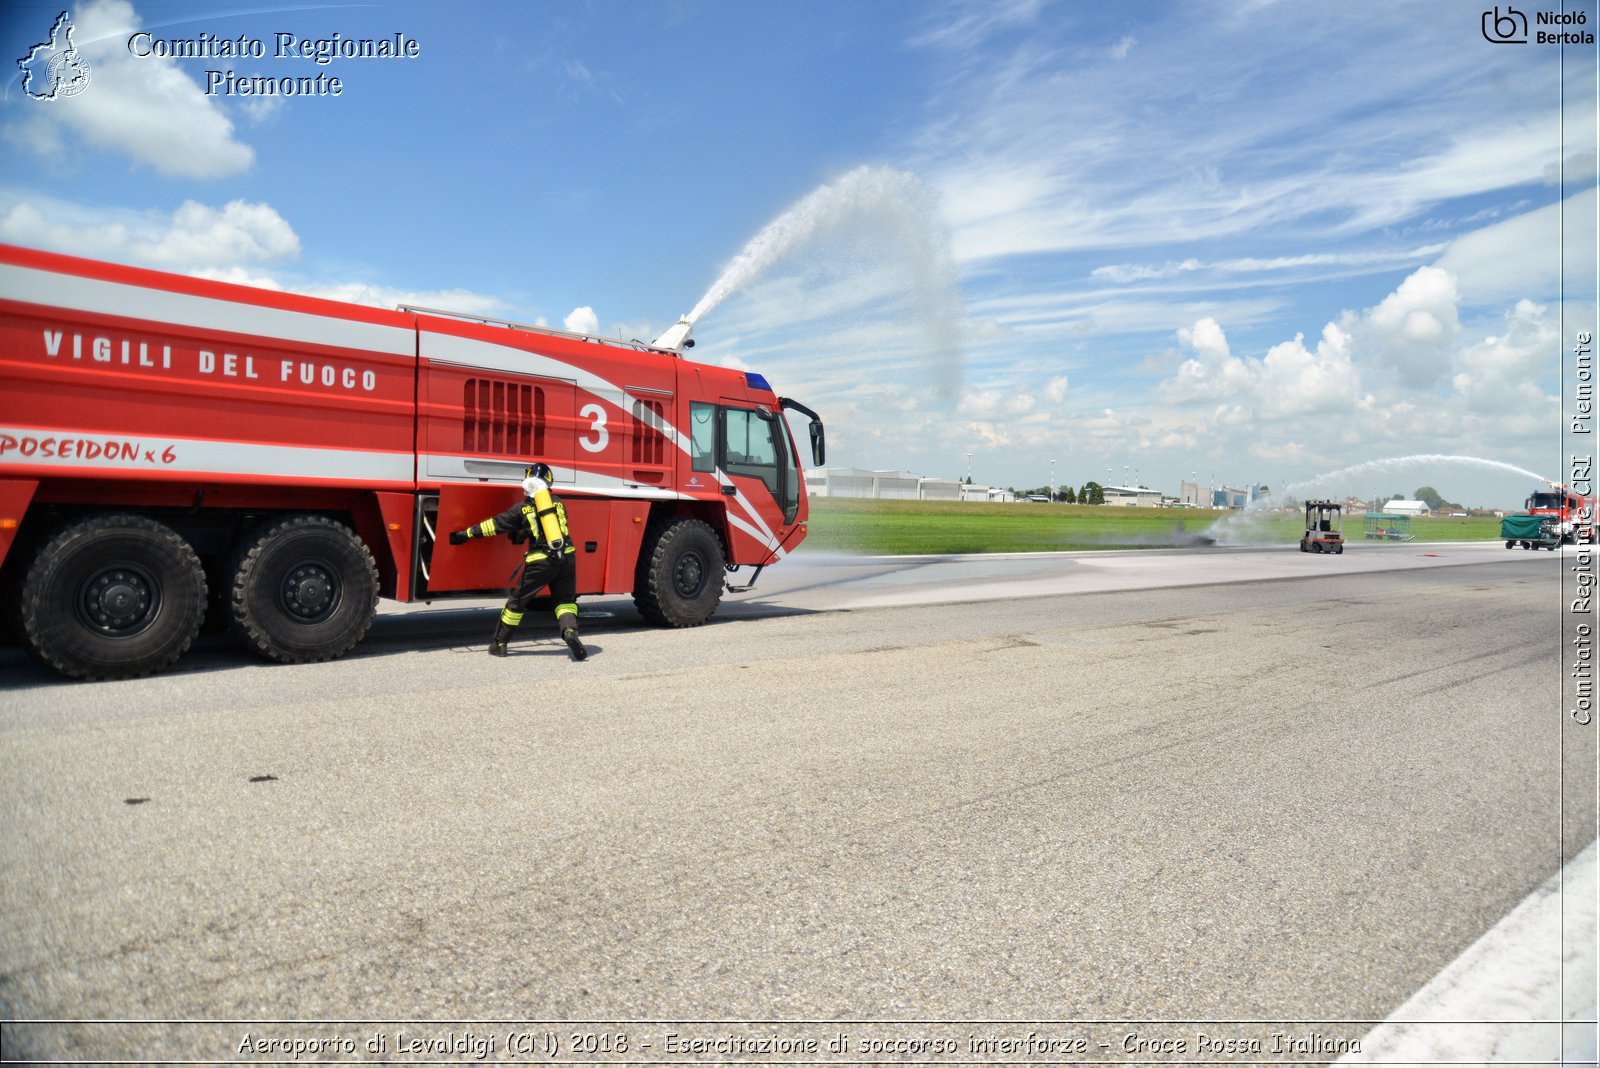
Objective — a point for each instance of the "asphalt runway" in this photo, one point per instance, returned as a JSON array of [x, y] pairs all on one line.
[[1122, 802]]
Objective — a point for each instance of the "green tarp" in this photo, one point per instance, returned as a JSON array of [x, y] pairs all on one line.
[[1522, 527]]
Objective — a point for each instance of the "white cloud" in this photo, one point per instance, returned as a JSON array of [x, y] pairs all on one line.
[[240, 242], [1213, 372], [582, 321], [1045, 147], [1501, 374], [989, 434], [1273, 267], [237, 232], [1522, 256], [1415, 328], [995, 403], [963, 25], [195, 237], [1289, 381], [260, 109], [1292, 451], [145, 108], [463, 301], [1296, 381]]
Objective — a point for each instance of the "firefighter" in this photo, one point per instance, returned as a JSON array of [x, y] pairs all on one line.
[[540, 519]]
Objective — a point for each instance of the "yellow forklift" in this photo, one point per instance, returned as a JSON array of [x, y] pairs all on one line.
[[1323, 522]]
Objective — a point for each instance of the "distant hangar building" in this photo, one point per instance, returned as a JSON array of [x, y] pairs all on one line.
[[892, 486], [1132, 496]]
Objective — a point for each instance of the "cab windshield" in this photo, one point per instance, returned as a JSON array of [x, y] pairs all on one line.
[[1545, 501]]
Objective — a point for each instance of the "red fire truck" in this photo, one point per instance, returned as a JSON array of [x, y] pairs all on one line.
[[173, 448], [1571, 514]]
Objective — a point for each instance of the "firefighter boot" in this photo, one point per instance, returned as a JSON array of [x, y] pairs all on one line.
[[502, 636], [570, 636]]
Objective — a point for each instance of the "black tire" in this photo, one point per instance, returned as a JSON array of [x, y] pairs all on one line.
[[304, 589], [681, 571], [112, 597], [1511, 545]]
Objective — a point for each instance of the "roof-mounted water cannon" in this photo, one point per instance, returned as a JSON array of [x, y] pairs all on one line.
[[676, 337]]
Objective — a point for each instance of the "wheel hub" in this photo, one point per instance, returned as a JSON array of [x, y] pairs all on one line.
[[310, 592], [119, 601], [689, 575]]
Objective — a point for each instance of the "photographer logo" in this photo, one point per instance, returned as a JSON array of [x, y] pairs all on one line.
[[1511, 26], [1508, 28]]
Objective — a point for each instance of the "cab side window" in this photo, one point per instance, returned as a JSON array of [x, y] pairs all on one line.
[[703, 436]]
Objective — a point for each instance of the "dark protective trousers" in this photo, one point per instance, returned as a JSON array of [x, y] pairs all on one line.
[[560, 573]]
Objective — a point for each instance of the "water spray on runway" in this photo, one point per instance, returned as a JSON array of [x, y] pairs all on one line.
[[1250, 527]]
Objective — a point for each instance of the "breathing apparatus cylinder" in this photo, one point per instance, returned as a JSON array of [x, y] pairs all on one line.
[[549, 525], [544, 510]]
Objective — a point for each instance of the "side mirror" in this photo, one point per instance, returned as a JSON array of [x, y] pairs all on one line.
[[819, 443]]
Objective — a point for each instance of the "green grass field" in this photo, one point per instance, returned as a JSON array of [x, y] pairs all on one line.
[[899, 528]]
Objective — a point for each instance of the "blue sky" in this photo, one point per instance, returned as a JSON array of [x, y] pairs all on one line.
[[1244, 240]]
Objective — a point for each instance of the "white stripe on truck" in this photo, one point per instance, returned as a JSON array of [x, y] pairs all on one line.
[[96, 296]]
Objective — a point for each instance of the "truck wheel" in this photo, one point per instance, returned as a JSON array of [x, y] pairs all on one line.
[[1511, 545], [304, 589], [680, 574], [112, 597]]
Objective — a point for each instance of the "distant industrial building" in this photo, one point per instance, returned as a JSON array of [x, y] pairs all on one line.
[[1132, 496], [1400, 507], [895, 486], [1199, 496], [990, 494]]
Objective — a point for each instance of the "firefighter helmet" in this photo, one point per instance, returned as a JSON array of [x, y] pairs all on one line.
[[537, 477]]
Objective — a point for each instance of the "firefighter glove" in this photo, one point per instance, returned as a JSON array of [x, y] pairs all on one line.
[[459, 537]]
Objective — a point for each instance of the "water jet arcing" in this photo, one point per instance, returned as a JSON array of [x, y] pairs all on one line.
[[1371, 466], [1248, 526], [888, 209]]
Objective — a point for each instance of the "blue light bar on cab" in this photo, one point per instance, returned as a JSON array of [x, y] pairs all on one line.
[[755, 381]]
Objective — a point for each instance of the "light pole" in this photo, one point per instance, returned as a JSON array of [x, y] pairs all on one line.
[[969, 469], [1052, 482]]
